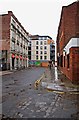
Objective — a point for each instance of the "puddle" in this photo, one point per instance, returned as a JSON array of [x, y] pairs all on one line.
[[51, 86], [56, 74], [44, 84]]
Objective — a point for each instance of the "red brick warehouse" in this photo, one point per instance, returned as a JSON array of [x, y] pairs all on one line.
[[68, 42]]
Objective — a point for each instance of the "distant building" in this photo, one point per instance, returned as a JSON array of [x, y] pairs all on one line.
[[68, 42], [29, 50], [13, 43], [52, 51], [40, 50]]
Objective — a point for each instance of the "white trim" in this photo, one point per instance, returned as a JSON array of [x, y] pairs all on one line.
[[74, 42]]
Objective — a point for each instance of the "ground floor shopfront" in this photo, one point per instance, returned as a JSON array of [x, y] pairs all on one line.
[[10, 61]]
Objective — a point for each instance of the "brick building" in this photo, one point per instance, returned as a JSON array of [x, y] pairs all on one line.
[[13, 43], [68, 42]]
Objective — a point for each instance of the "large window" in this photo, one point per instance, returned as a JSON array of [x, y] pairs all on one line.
[[45, 52], [41, 42], [64, 61], [45, 47], [40, 57], [45, 57], [36, 42], [61, 61], [41, 52], [68, 61], [45, 42], [12, 46], [37, 57], [36, 47], [41, 47], [36, 52]]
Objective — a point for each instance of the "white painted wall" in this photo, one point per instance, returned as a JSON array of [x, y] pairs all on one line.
[[33, 50], [74, 42]]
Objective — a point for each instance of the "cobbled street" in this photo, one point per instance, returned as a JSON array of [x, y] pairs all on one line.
[[22, 99]]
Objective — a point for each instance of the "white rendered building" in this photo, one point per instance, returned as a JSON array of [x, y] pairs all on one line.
[[40, 48]]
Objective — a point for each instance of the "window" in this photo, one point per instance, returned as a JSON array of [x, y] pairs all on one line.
[[41, 52], [41, 47], [45, 47], [36, 52], [17, 26], [68, 61], [37, 57], [36, 47], [41, 57], [61, 61], [39, 38], [41, 42], [45, 57], [45, 42], [17, 42], [13, 21], [64, 61], [36, 42], [12, 46], [45, 52], [43, 38]]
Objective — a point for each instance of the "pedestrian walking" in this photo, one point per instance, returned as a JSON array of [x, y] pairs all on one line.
[[50, 66]]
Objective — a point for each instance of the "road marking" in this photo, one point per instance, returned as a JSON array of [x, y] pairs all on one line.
[[55, 91], [37, 82]]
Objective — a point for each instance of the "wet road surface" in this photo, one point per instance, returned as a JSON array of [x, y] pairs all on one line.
[[21, 99]]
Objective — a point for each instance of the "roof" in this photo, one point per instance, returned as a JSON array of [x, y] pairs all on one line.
[[11, 14], [76, 2], [35, 37]]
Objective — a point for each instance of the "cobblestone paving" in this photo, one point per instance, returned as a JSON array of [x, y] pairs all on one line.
[[22, 100]]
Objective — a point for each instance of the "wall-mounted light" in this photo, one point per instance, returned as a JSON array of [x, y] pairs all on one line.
[[64, 51]]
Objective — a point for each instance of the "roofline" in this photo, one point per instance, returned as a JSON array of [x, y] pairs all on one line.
[[71, 3], [11, 14], [17, 21], [63, 7], [40, 36]]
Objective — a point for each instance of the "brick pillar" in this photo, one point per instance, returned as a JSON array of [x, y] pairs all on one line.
[[10, 62], [74, 52]]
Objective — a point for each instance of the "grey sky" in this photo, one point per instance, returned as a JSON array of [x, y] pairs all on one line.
[[37, 16]]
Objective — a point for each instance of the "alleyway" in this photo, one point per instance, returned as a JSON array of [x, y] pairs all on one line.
[[22, 99]]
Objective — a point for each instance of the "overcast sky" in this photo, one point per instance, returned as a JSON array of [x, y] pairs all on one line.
[[37, 16]]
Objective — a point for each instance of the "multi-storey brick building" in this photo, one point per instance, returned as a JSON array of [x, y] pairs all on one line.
[[40, 49], [68, 42], [13, 43]]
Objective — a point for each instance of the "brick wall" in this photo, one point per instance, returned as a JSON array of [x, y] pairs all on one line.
[[74, 61], [5, 39], [5, 32], [69, 26]]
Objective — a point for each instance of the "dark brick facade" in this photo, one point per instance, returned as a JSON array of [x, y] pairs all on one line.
[[68, 29]]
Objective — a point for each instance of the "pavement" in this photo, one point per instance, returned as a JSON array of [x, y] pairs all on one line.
[[54, 80], [5, 72]]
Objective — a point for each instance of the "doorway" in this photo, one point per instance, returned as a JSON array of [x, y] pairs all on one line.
[[13, 59]]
